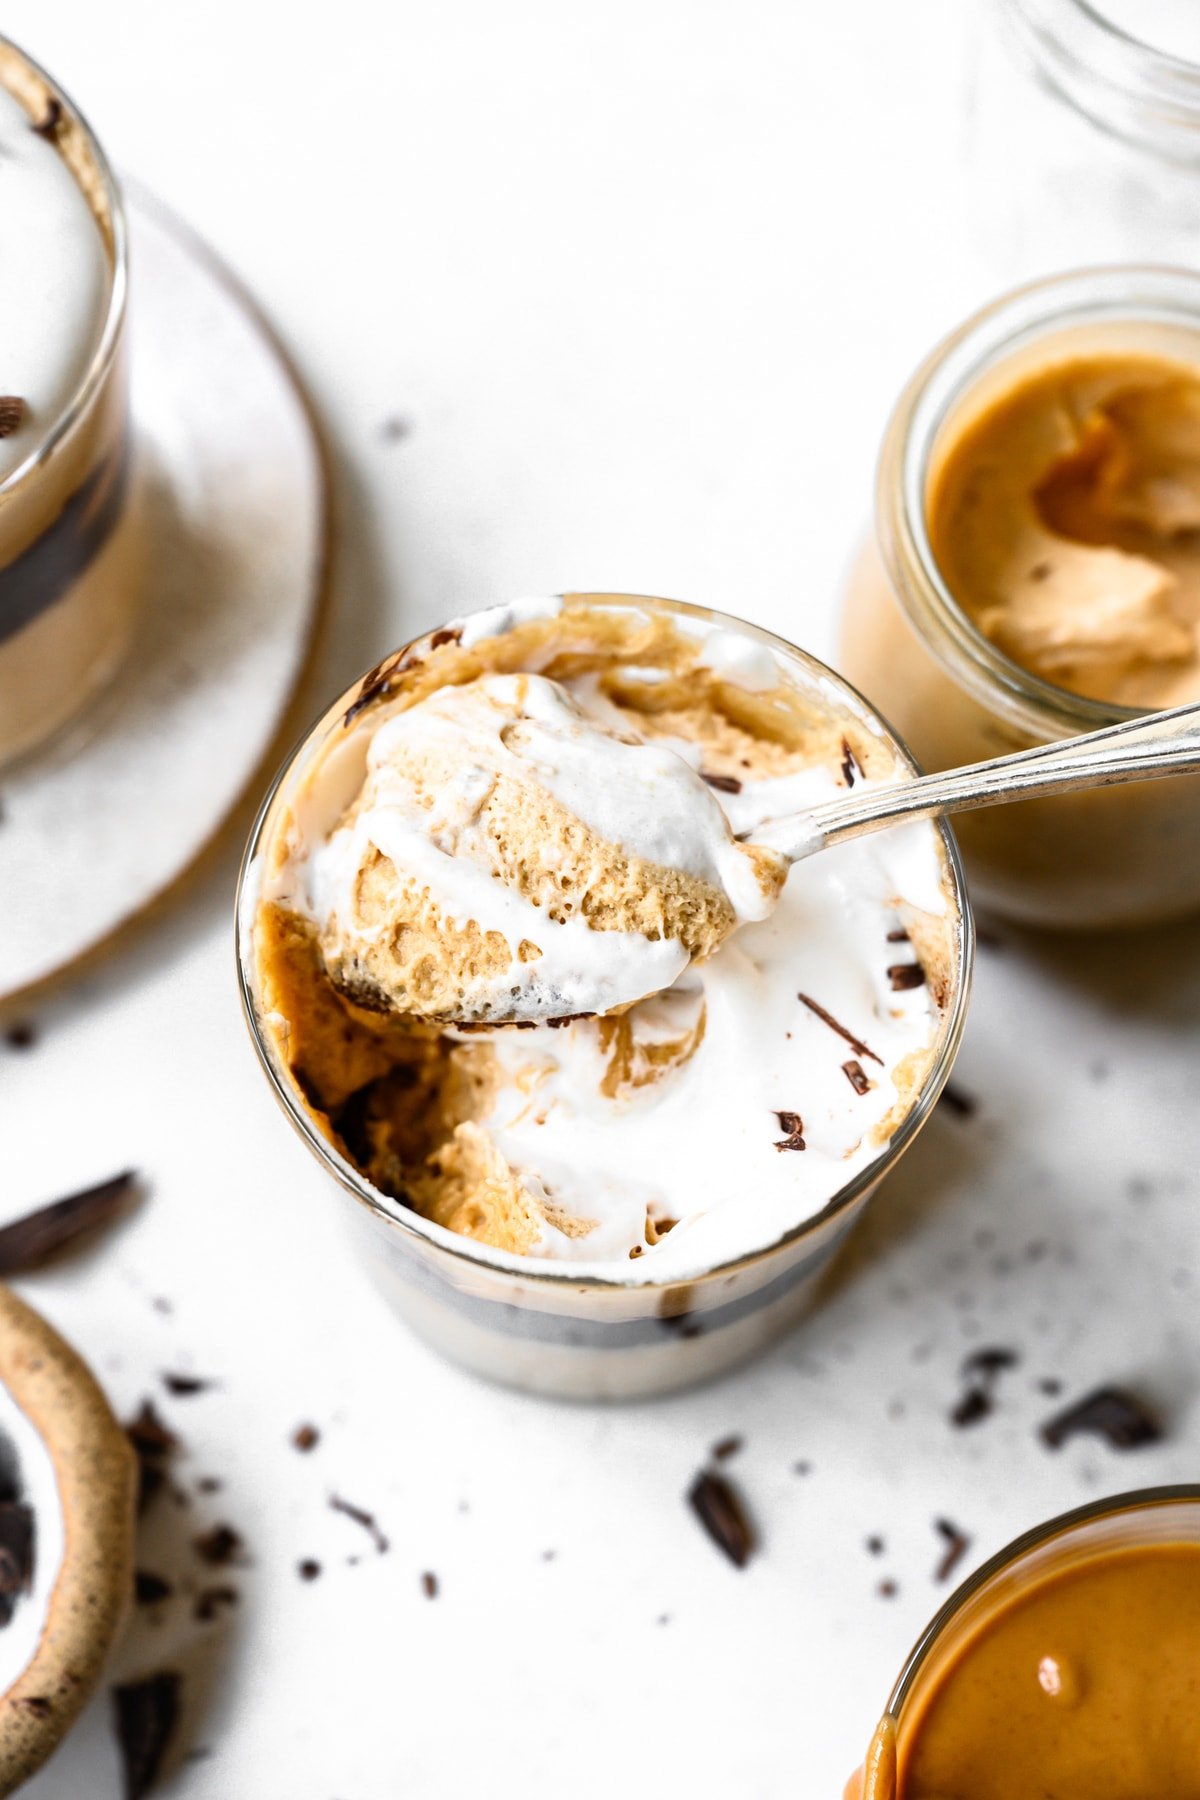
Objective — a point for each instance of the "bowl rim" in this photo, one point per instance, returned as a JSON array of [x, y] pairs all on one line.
[[565, 1276]]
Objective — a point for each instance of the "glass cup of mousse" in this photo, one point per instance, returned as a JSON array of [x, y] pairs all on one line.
[[694, 1295], [68, 567], [1065, 1665], [1034, 573]]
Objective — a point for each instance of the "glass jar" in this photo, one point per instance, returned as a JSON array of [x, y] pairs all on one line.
[[1165, 1515], [68, 538], [1112, 857], [1082, 139], [543, 1325]]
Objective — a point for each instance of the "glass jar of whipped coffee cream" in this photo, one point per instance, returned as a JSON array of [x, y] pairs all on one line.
[[1081, 134], [67, 563], [1034, 573]]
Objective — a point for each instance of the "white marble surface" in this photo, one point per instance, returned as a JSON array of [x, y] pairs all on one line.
[[641, 281]]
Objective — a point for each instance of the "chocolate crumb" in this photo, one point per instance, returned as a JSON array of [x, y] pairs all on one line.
[[153, 1443], [33, 1239], [1113, 1413], [183, 1386], [724, 784], [875, 1546], [959, 1102], [149, 1589], [957, 1545], [720, 1511], [429, 1585], [147, 1713], [827, 1018], [22, 1034], [309, 1569], [856, 1075], [972, 1406], [906, 975], [990, 1360], [793, 1125], [727, 1447], [305, 1438], [220, 1546], [887, 1589], [47, 126], [365, 1519], [211, 1600], [850, 765]]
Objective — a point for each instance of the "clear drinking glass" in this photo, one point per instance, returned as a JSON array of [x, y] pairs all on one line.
[[537, 1325], [68, 568]]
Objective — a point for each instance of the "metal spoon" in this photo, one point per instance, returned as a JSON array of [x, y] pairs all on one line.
[[1142, 749]]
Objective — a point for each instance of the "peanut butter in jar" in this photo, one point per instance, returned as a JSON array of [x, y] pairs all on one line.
[[1035, 573]]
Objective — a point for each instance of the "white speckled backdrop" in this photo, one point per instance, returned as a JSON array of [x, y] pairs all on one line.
[[615, 297]]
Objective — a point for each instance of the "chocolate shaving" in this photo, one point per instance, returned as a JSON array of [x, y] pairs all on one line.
[[1112, 1413], [429, 1585], [850, 764], [16, 1554], [147, 1713], [827, 1018], [446, 634], [309, 1569], [793, 1125], [210, 1602], [12, 411], [887, 1589], [727, 1447], [32, 1240], [906, 975], [957, 1545], [724, 784], [980, 1371], [899, 936], [220, 1546], [958, 1102], [975, 1404], [721, 1513], [183, 1386], [361, 1517], [149, 1589], [305, 1438], [47, 126], [856, 1076]]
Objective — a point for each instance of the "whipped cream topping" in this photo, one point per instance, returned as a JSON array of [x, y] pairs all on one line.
[[700, 1145], [56, 279], [25, 1459], [645, 799]]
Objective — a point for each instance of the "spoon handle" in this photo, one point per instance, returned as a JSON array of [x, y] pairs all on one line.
[[1160, 743]]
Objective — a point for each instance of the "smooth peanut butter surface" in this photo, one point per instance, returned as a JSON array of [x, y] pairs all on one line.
[[1065, 519], [1086, 1686]]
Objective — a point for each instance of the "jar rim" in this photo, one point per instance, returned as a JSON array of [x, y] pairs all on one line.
[[1133, 1502], [1114, 294]]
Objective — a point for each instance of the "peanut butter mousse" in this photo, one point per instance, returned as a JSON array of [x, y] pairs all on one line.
[[1083, 1686], [690, 1127], [1065, 519]]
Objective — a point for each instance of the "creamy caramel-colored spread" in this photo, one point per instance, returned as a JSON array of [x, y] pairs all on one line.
[[1085, 1685], [1065, 519]]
